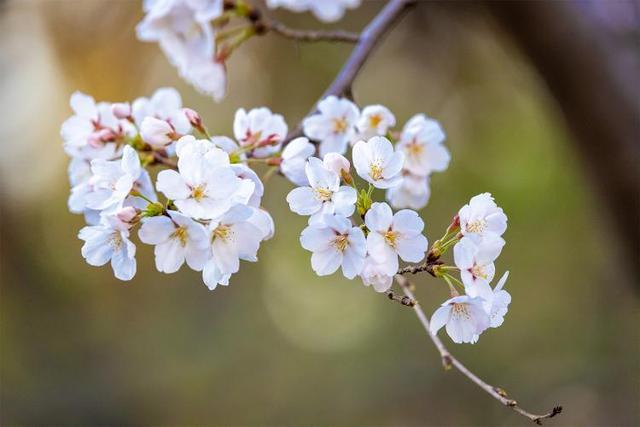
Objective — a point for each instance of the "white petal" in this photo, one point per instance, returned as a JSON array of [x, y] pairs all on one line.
[[326, 262], [439, 318], [302, 201], [412, 249], [379, 217]]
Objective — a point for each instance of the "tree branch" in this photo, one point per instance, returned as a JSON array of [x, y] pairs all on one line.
[[310, 35], [368, 40], [449, 361]]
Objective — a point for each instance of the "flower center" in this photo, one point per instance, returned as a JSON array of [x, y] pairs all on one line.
[[477, 226], [198, 192], [323, 194], [375, 120], [391, 237], [116, 241], [180, 234], [341, 242], [340, 125], [222, 232], [376, 170], [414, 149], [460, 310], [478, 271]]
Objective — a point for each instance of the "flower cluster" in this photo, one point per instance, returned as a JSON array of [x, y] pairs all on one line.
[[211, 218], [340, 123], [477, 231], [331, 198], [324, 10]]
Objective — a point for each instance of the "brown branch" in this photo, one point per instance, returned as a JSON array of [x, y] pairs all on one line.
[[310, 35], [449, 361], [369, 39]]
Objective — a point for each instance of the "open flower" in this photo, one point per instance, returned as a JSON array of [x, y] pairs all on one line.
[[324, 195], [109, 241], [177, 238], [497, 304], [464, 316], [165, 104], [204, 186], [261, 129], [324, 10], [482, 217], [474, 257], [334, 243], [333, 125], [413, 192], [377, 162], [375, 120], [294, 160], [112, 181], [422, 144], [183, 30], [374, 274], [392, 235]]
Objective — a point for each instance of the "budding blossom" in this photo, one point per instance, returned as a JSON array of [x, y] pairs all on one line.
[[260, 129], [333, 126], [183, 30], [164, 105], [337, 163], [324, 10], [376, 162], [335, 243]]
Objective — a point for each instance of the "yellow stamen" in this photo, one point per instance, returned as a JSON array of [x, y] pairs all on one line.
[[341, 242], [414, 149], [340, 125], [375, 120], [390, 237], [376, 171], [460, 310], [476, 226], [222, 232], [198, 192], [323, 194], [478, 271], [181, 234]]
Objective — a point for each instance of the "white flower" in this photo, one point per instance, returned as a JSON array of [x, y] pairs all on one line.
[[294, 160], [333, 125], [109, 242], [157, 132], [188, 144], [498, 303], [337, 163], [374, 274], [233, 238], [482, 217], [376, 162], [212, 276], [251, 187], [112, 181], [260, 128], [413, 192], [392, 235], [165, 104], [422, 143], [324, 195], [204, 187], [324, 10], [474, 257], [375, 120], [183, 30], [464, 316], [334, 243], [177, 238]]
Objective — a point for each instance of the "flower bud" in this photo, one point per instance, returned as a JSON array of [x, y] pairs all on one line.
[[337, 163], [97, 138], [193, 117], [122, 110], [127, 214], [157, 132]]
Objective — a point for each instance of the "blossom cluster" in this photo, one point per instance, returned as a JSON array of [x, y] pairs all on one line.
[[211, 218]]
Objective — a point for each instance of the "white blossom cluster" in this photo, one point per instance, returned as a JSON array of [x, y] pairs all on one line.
[[212, 217], [479, 243], [340, 123], [324, 10]]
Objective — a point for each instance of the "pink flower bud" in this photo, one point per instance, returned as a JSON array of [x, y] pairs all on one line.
[[337, 163], [122, 110], [193, 117], [127, 214], [157, 132], [97, 138]]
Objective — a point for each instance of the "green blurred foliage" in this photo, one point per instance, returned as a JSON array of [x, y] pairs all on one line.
[[282, 346]]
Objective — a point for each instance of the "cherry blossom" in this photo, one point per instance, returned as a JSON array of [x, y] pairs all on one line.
[[261, 129], [413, 192], [177, 238], [335, 243], [375, 274], [375, 120], [422, 143], [481, 216], [498, 303], [324, 195], [465, 318], [324, 10], [334, 124], [392, 235], [337, 163], [165, 104], [377, 162], [474, 257], [294, 160]]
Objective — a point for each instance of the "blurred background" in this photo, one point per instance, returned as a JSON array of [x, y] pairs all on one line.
[[281, 346]]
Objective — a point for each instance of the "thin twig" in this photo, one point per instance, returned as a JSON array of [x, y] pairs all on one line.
[[369, 39], [404, 300], [311, 35], [449, 361]]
